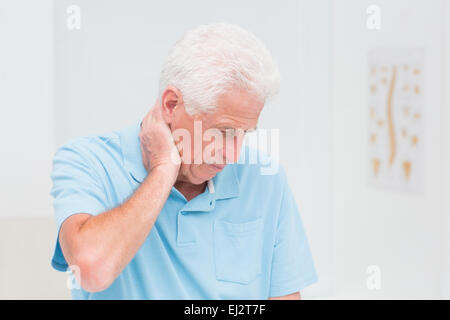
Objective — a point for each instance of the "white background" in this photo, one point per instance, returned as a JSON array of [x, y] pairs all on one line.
[[399, 232], [27, 108]]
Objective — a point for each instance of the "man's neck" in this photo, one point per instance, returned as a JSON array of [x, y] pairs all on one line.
[[189, 190]]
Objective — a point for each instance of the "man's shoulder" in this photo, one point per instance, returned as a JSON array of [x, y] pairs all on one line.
[[92, 144], [256, 166]]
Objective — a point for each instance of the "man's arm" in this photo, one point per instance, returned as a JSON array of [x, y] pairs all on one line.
[[292, 296], [102, 245]]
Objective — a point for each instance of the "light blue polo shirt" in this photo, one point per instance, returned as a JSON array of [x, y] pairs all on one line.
[[242, 238]]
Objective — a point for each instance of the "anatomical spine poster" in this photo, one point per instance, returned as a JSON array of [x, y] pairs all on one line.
[[396, 112]]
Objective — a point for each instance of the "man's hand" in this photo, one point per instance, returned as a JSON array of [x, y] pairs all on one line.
[[157, 144]]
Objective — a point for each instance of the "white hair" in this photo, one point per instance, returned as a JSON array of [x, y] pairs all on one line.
[[211, 59]]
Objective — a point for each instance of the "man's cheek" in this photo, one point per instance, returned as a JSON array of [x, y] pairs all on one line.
[[212, 152]]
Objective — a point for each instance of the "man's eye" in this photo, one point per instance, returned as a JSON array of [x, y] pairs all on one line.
[[229, 133], [233, 132]]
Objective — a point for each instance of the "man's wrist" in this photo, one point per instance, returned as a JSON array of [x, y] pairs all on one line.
[[166, 173]]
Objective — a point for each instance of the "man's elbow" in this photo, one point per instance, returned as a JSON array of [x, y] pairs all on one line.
[[94, 274]]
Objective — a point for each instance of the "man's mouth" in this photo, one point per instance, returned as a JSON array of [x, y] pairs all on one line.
[[217, 167]]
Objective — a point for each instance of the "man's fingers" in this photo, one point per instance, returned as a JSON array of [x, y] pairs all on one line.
[[154, 114], [157, 111]]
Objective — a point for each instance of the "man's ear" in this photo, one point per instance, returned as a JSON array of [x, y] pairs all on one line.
[[171, 99]]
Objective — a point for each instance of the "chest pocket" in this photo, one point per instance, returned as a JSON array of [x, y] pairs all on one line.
[[238, 250]]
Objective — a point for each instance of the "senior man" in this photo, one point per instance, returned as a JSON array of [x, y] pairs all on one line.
[[138, 217]]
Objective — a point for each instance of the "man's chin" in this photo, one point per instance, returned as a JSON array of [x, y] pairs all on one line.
[[203, 178], [206, 172], [206, 177]]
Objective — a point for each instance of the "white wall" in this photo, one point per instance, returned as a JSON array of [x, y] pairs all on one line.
[[310, 140], [26, 107], [400, 233], [446, 156], [27, 145]]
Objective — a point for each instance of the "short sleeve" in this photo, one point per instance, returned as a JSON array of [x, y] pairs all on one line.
[[292, 263], [76, 189]]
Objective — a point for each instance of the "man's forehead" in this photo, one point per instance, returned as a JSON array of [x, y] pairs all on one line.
[[228, 121]]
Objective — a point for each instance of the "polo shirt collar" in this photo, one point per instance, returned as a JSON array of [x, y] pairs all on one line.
[[131, 152], [225, 184]]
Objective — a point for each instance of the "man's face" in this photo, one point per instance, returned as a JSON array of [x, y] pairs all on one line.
[[215, 138]]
